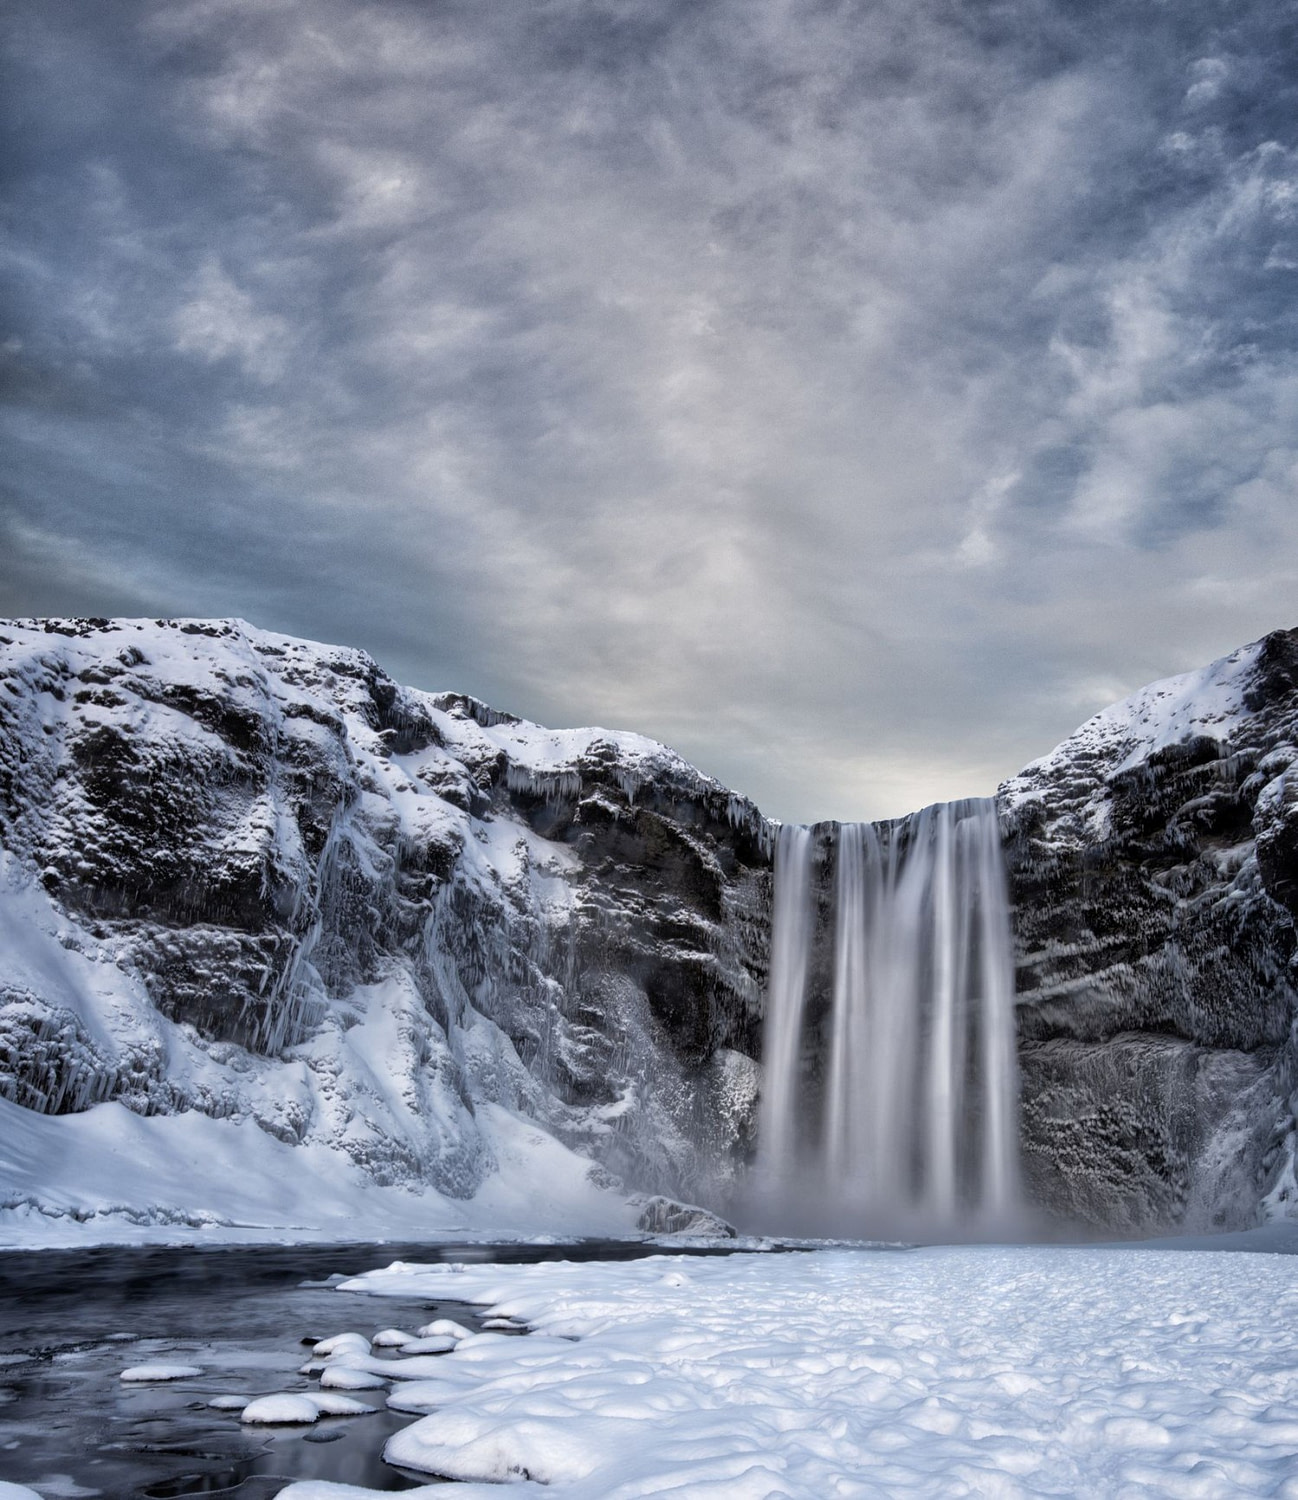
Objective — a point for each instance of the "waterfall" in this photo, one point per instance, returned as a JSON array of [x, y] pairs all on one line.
[[890, 1090], [791, 928]]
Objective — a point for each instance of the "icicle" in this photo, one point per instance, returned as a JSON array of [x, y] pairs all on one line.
[[553, 786]]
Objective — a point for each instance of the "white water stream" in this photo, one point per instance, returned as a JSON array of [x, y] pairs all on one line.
[[895, 1101]]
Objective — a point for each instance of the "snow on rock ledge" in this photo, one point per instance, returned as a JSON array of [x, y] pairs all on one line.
[[1154, 870]]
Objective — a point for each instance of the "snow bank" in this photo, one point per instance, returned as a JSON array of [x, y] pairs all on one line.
[[108, 1175], [1007, 1371]]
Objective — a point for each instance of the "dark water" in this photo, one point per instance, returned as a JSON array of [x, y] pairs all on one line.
[[72, 1320]]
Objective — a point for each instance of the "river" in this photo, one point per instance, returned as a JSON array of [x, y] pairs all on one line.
[[72, 1320]]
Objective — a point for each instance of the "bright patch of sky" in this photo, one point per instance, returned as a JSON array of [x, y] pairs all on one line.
[[854, 396]]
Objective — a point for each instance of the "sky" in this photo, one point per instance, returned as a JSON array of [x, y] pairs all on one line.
[[855, 396]]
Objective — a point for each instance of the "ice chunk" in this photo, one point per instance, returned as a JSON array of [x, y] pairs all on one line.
[[343, 1343], [391, 1338], [160, 1372], [285, 1408]]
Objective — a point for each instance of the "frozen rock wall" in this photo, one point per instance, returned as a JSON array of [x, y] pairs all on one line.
[[253, 877], [1154, 869]]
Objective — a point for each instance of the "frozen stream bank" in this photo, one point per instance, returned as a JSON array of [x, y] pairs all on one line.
[[71, 1321]]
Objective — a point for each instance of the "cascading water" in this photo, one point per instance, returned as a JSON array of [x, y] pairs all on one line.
[[890, 1088]]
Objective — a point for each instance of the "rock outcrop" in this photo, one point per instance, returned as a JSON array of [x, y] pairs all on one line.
[[1154, 869], [253, 877]]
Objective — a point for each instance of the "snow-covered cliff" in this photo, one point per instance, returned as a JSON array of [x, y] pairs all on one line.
[[259, 903], [284, 945], [1154, 868]]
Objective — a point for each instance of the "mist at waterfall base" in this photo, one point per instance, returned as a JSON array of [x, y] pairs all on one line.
[[889, 1101]]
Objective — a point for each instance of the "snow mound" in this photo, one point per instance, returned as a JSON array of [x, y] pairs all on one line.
[[330, 1405], [392, 1338], [345, 1378], [283, 1409], [160, 1372], [445, 1327], [343, 1343], [439, 1343]]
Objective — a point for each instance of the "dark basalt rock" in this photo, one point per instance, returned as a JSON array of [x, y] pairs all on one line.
[[1153, 871]]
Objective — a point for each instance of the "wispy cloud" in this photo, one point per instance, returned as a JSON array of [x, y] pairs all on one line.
[[852, 395]]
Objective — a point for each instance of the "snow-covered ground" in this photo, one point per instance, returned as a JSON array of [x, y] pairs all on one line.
[[108, 1176], [957, 1371]]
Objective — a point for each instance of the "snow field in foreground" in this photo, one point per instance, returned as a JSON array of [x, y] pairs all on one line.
[[990, 1371]]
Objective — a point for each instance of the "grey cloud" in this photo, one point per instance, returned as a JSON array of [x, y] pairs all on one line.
[[853, 395]]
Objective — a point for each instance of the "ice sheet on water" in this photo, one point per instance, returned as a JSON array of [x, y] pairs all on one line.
[[1009, 1370]]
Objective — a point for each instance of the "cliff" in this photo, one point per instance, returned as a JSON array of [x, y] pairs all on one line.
[[1154, 870], [252, 878], [285, 945]]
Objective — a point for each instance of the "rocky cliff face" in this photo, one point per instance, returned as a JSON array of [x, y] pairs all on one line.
[[252, 877], [1154, 869], [250, 880]]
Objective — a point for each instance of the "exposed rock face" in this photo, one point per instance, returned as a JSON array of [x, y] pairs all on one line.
[[1154, 869], [283, 887]]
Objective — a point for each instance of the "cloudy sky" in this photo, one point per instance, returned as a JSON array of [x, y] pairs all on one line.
[[854, 395]]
